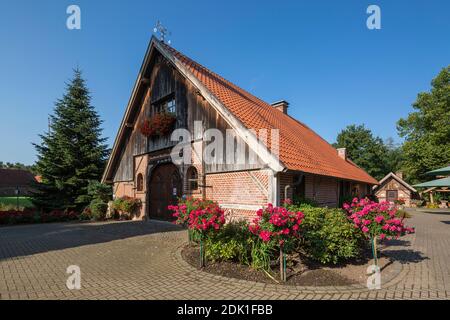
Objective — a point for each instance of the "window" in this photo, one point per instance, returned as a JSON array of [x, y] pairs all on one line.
[[167, 105], [192, 179], [171, 107], [391, 195], [140, 182]]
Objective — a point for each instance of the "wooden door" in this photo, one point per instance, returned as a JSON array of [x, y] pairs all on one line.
[[165, 189]]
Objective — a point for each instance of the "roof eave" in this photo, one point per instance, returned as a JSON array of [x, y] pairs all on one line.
[[106, 178]]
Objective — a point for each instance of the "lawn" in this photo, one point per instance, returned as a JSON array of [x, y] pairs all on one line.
[[23, 201]]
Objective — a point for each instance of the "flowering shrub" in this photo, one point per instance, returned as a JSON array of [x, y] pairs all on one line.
[[276, 227], [209, 218], [203, 217], [158, 125], [376, 220], [32, 216], [185, 206], [59, 215], [277, 224], [126, 206]]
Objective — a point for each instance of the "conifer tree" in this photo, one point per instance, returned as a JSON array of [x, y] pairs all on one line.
[[72, 152]]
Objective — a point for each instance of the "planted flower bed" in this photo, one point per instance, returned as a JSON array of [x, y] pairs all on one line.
[[33, 216], [302, 245]]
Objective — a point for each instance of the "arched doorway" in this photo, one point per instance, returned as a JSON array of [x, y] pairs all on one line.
[[165, 188]]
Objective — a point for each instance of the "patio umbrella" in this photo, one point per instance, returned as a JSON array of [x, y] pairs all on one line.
[[439, 172], [444, 182]]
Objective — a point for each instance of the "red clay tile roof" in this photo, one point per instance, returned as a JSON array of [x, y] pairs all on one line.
[[300, 147]]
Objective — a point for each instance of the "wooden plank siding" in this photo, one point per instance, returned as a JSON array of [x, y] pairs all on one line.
[[164, 81]]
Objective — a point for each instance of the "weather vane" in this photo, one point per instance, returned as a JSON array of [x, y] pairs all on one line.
[[163, 32]]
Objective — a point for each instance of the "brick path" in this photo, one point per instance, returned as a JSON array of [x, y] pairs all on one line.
[[141, 260]]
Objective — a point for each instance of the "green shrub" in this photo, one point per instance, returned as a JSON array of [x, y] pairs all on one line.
[[126, 204], [222, 250], [328, 235], [301, 201], [98, 209], [232, 243]]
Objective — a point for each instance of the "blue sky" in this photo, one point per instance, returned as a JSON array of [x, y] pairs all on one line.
[[318, 55]]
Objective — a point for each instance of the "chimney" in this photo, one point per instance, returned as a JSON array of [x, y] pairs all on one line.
[[281, 105], [342, 152], [399, 174]]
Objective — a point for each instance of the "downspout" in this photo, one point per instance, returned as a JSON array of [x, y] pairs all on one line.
[[286, 188], [274, 192]]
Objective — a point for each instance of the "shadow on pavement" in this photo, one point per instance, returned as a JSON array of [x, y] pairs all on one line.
[[405, 256], [17, 241]]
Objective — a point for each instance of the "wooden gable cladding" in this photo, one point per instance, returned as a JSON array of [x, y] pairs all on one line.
[[200, 110], [162, 81]]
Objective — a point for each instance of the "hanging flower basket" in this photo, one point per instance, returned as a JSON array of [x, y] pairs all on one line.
[[160, 124]]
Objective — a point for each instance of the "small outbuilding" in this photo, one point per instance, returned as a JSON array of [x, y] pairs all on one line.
[[16, 180], [393, 188]]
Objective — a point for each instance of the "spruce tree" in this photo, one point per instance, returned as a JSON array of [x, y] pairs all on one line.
[[72, 152]]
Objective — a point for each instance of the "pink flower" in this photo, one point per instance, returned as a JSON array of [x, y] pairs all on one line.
[[382, 236], [265, 235], [365, 229], [379, 219]]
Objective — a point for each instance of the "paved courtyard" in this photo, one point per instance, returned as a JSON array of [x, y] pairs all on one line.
[[141, 260]]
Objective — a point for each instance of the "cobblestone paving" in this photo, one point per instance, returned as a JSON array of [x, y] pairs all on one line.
[[141, 260]]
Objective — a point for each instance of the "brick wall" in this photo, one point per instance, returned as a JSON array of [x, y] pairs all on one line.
[[140, 167], [240, 193], [129, 188], [244, 187]]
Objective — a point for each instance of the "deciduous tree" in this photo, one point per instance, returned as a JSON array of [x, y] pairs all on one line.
[[427, 130]]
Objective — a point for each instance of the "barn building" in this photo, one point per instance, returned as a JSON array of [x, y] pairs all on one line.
[[280, 156]]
